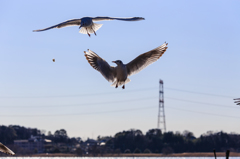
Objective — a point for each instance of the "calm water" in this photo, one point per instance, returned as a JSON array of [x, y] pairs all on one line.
[[117, 157]]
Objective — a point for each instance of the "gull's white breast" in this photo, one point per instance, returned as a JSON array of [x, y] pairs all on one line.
[[121, 71]]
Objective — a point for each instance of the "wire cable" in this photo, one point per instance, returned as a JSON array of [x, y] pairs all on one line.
[[203, 103], [80, 95], [83, 104], [193, 92], [74, 114], [105, 93], [121, 101], [228, 116], [113, 111]]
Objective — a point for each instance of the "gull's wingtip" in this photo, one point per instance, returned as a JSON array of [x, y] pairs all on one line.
[[140, 18], [165, 43], [35, 30]]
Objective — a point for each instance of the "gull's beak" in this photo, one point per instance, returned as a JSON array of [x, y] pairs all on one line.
[[114, 61]]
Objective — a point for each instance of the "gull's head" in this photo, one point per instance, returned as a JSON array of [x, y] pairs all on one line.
[[118, 62], [83, 24]]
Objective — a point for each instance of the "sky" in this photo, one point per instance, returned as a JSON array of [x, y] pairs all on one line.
[[200, 68]]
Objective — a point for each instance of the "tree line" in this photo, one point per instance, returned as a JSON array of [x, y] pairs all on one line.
[[157, 142], [130, 141]]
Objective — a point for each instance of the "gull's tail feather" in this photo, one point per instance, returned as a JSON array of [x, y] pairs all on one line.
[[91, 29], [127, 80], [83, 30], [114, 83], [120, 83], [96, 26]]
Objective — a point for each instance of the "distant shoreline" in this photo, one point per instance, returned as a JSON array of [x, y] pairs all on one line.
[[196, 154]]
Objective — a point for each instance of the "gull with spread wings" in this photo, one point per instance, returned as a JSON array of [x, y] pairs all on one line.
[[119, 74], [237, 101], [87, 24], [5, 149]]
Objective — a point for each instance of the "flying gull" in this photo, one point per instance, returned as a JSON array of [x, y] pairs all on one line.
[[5, 149], [87, 24], [237, 100], [119, 74]]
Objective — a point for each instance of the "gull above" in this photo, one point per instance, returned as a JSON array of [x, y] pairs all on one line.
[[87, 24], [5, 149], [119, 74], [237, 100]]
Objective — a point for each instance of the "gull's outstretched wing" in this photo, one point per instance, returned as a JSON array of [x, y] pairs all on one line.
[[100, 65], [145, 59], [5, 149], [113, 18], [237, 101], [71, 22]]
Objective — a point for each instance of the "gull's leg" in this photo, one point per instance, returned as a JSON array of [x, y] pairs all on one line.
[[87, 32], [116, 85], [123, 87], [94, 32]]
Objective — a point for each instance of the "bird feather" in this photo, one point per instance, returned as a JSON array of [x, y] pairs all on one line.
[[100, 65], [145, 59], [6, 150], [114, 18], [71, 22]]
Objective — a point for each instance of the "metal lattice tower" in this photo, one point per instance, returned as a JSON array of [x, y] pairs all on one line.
[[161, 113]]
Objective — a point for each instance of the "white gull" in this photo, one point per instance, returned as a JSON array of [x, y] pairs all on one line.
[[87, 24], [119, 74]]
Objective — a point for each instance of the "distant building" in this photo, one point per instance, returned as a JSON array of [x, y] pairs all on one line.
[[87, 145], [33, 144], [90, 142], [48, 145]]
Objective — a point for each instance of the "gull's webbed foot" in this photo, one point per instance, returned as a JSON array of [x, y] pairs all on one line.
[[123, 87], [116, 86]]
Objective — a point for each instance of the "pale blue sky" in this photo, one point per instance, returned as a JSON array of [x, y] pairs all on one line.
[[200, 66]]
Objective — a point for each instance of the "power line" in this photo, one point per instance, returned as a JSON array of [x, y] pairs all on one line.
[[228, 116], [84, 104], [80, 95], [116, 111], [190, 101], [193, 92], [121, 101], [72, 114], [104, 93]]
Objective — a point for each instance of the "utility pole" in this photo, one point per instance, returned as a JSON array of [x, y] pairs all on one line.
[[161, 113]]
